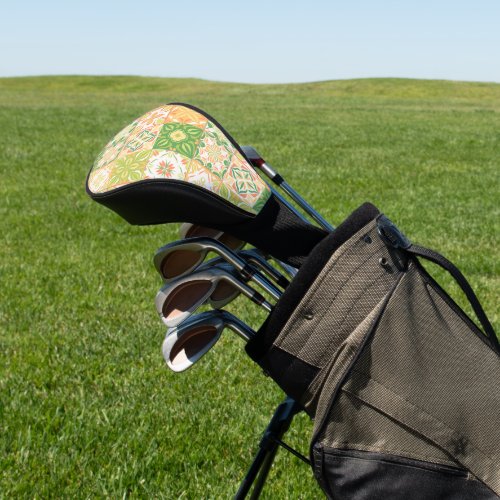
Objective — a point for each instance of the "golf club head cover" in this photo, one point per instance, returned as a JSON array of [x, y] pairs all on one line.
[[177, 164], [402, 385]]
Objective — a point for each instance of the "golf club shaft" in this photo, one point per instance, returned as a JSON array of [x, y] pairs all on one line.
[[303, 203], [241, 329], [256, 258], [258, 162], [266, 285], [189, 230]]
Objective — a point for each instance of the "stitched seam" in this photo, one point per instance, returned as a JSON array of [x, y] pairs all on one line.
[[403, 453], [449, 476]]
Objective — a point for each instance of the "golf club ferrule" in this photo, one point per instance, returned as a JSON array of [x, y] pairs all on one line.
[[257, 161], [247, 271], [271, 173], [261, 301]]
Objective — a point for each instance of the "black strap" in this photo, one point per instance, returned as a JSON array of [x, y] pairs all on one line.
[[464, 285]]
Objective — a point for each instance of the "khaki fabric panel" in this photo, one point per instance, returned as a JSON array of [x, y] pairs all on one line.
[[353, 304], [345, 292], [317, 398], [354, 425], [427, 368]]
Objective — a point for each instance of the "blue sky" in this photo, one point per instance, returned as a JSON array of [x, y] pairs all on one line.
[[257, 41]]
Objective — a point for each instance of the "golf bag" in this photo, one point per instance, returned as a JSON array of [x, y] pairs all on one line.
[[403, 387]]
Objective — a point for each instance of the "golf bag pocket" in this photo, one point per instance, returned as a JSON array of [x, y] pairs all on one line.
[[401, 384], [348, 474], [325, 313]]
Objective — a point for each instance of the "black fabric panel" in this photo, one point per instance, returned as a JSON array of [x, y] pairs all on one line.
[[278, 231], [358, 475], [293, 375], [318, 258]]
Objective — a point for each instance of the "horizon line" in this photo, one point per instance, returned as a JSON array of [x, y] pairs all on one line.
[[305, 82]]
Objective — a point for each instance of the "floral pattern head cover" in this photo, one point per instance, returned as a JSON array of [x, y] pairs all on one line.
[[179, 143]]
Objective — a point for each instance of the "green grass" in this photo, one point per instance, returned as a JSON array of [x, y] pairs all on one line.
[[87, 407]]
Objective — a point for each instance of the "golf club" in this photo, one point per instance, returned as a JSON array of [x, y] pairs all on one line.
[[224, 292], [256, 257], [180, 257], [186, 344], [259, 163], [177, 164], [180, 298]]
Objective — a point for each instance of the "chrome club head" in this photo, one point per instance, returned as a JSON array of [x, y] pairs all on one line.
[[178, 299]]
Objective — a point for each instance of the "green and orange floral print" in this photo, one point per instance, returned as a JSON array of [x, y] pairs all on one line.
[[176, 142]]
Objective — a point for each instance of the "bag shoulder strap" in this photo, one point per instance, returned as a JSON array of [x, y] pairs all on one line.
[[397, 240], [457, 275]]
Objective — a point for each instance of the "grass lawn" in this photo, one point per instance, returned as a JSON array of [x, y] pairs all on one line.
[[87, 406]]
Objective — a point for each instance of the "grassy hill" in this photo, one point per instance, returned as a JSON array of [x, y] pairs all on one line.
[[87, 407]]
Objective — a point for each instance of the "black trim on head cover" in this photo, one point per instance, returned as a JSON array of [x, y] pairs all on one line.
[[312, 266], [157, 201], [275, 230]]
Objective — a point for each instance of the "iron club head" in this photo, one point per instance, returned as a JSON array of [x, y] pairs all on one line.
[[186, 344], [178, 299]]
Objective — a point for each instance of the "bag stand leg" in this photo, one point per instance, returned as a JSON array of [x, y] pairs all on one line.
[[268, 446]]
